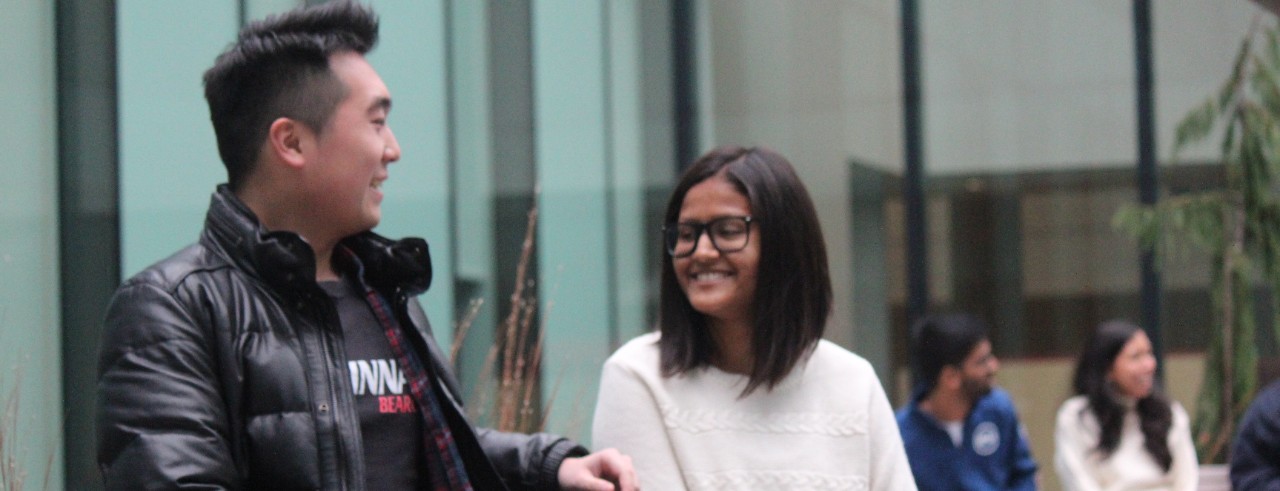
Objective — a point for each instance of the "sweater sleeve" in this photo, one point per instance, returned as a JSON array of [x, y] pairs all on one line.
[[1185, 469], [628, 418], [890, 470], [1070, 450]]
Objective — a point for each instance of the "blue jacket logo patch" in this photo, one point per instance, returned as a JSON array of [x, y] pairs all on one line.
[[986, 438]]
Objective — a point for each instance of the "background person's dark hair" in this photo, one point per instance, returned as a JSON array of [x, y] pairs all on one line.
[[279, 67], [1154, 413], [942, 340], [793, 288]]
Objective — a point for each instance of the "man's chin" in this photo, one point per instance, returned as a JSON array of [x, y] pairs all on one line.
[[371, 220], [976, 393]]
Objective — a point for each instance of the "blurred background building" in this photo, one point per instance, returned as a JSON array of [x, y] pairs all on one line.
[[963, 154]]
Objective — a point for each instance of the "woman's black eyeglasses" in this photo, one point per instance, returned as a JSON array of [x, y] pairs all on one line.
[[727, 234]]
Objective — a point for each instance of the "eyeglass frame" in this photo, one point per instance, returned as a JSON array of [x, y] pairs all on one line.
[[703, 228]]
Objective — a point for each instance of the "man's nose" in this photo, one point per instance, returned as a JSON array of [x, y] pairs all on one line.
[[391, 152]]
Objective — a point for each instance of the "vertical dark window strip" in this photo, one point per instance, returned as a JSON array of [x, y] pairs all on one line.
[[685, 81], [1146, 169], [610, 185], [913, 173], [510, 59], [88, 214], [451, 166]]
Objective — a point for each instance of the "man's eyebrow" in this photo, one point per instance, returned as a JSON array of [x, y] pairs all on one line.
[[381, 103]]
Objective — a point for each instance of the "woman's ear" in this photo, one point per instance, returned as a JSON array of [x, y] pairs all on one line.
[[286, 139]]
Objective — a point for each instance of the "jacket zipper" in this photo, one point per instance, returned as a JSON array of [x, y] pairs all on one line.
[[326, 338]]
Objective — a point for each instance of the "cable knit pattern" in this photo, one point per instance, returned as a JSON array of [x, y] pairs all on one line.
[[774, 480], [832, 424], [827, 425]]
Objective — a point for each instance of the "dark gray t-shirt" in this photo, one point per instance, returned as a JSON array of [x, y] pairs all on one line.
[[390, 426]]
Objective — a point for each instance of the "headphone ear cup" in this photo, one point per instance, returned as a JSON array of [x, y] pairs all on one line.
[[405, 263], [411, 258], [284, 259]]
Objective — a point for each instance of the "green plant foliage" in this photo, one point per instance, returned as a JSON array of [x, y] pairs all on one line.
[[1238, 225], [1198, 123]]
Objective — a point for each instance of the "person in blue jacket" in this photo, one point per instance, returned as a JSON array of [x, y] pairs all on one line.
[[960, 431], [1255, 457]]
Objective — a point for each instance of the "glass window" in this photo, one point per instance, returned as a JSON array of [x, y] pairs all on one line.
[[30, 374]]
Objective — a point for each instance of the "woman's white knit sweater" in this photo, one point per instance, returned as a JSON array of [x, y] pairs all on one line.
[[1130, 467], [828, 425]]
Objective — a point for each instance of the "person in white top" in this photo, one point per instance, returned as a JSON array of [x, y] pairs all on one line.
[[1119, 432], [738, 390]]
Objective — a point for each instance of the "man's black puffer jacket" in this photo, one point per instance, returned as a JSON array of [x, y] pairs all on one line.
[[222, 367]]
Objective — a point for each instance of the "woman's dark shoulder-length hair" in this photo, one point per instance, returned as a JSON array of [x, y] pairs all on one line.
[[793, 288], [1154, 412]]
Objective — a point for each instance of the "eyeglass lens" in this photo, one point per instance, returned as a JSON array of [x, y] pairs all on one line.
[[728, 234]]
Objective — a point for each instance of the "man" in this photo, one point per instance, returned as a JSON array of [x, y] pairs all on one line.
[[285, 349], [960, 432], [1255, 455]]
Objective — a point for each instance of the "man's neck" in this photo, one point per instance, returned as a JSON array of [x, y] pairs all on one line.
[[946, 406], [324, 266], [277, 214]]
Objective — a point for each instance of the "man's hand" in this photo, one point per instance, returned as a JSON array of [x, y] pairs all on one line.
[[606, 470]]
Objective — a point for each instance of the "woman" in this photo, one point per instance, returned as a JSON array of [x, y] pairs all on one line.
[[738, 390], [1119, 432]]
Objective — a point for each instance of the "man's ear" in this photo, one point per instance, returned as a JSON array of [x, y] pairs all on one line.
[[950, 377], [286, 139]]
